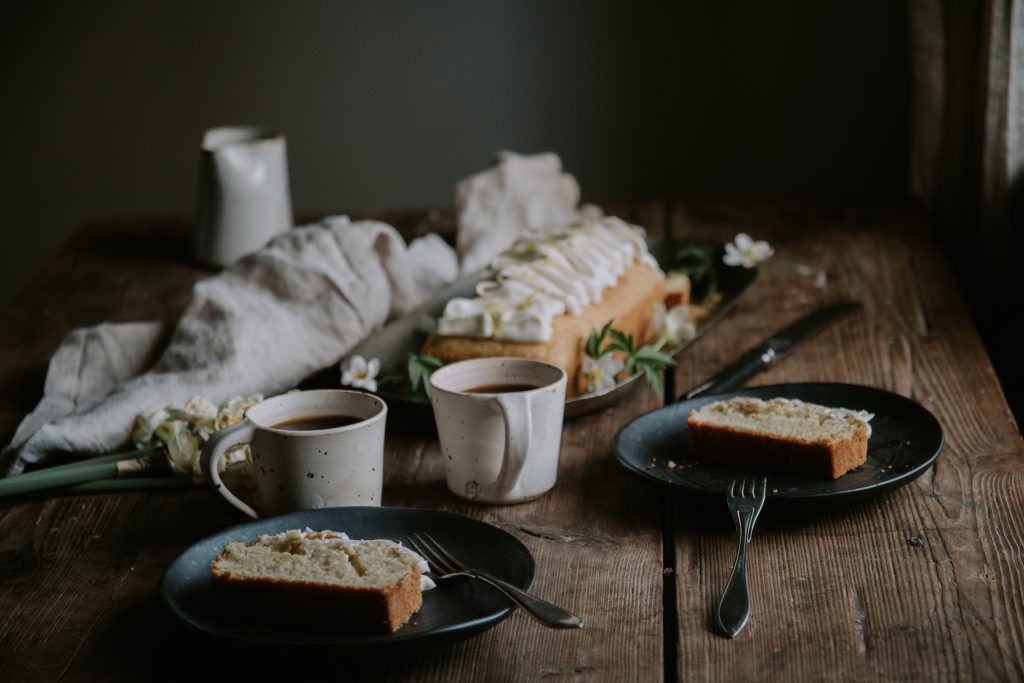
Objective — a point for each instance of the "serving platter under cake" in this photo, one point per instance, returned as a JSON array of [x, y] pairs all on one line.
[[392, 343]]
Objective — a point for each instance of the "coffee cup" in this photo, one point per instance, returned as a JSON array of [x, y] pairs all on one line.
[[310, 449], [500, 425]]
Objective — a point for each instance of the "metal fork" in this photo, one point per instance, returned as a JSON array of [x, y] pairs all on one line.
[[745, 499], [449, 566]]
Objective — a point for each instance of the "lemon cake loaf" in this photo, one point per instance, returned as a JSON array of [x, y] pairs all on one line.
[[541, 298], [780, 434], [359, 585]]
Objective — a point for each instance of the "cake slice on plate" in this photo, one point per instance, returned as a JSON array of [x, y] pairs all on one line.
[[780, 434], [361, 586]]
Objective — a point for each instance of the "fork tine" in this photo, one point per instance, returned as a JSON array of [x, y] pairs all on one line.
[[411, 542], [420, 545], [444, 554], [732, 489]]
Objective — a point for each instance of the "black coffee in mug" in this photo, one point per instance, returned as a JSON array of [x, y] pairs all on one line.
[[498, 388], [313, 423]]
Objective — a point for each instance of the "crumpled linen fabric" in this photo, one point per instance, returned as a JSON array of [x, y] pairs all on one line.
[[262, 325], [277, 316]]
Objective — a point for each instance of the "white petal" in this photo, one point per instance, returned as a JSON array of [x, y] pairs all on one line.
[[373, 368], [762, 250], [610, 366], [201, 408], [358, 365], [732, 256], [743, 241], [660, 319]]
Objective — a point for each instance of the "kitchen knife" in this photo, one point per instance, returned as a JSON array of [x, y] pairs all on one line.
[[773, 349]]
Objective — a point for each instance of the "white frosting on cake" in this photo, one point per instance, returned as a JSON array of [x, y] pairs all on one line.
[[785, 404], [544, 274], [332, 538]]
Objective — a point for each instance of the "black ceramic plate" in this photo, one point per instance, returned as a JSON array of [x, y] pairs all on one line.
[[905, 440], [456, 609]]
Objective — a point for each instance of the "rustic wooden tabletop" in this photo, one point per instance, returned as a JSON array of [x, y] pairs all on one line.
[[923, 583]]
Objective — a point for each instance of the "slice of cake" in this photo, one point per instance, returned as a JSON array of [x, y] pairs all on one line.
[[781, 434], [360, 586]]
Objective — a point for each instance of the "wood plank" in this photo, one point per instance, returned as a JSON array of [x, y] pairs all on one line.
[[921, 584]]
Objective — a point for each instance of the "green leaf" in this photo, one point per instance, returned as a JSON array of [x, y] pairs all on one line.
[[595, 339], [420, 368], [648, 355], [653, 377], [646, 359], [621, 342], [697, 261]]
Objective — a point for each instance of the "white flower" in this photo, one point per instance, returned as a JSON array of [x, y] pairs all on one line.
[[182, 446], [183, 431], [360, 374], [746, 252], [600, 373], [199, 413], [237, 465], [674, 326], [145, 425], [233, 409]]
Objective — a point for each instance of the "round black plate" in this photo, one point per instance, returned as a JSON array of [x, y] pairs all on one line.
[[905, 440], [456, 609]]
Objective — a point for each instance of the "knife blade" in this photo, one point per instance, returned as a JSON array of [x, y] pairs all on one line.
[[773, 349]]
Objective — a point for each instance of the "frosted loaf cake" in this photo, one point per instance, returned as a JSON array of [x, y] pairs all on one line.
[[541, 298]]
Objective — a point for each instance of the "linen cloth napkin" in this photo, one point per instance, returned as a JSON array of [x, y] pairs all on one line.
[[277, 316], [519, 192], [262, 325]]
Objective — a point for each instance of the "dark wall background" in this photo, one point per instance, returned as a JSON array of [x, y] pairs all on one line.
[[388, 103]]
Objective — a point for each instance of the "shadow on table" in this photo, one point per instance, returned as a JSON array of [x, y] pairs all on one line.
[[139, 640], [711, 513]]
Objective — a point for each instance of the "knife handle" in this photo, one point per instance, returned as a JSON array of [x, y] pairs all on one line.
[[734, 375]]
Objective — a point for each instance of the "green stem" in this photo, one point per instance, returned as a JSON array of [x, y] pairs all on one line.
[[103, 467], [131, 484], [78, 464]]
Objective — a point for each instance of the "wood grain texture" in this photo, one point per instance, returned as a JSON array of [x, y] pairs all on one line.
[[924, 583], [80, 573]]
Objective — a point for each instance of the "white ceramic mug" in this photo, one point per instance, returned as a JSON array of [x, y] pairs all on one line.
[[303, 469], [243, 192], [499, 446]]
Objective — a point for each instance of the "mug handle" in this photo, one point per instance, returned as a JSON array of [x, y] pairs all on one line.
[[216, 447], [515, 412]]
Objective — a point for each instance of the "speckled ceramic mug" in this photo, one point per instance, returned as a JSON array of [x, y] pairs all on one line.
[[304, 469], [500, 424]]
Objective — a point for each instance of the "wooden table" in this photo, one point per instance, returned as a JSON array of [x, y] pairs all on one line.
[[924, 583]]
